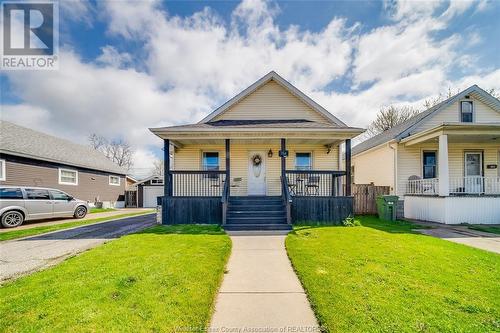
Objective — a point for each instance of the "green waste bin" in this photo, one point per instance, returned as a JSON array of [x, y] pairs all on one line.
[[386, 207]]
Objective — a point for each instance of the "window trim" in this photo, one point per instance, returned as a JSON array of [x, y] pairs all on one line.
[[422, 162], [66, 183], [218, 159], [460, 112], [311, 166], [3, 176], [112, 184]]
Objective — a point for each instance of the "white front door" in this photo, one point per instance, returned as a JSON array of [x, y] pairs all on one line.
[[473, 172], [256, 173]]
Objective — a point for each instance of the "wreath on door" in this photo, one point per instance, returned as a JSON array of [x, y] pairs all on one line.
[[256, 160]]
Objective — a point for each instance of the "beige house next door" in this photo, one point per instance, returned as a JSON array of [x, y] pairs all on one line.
[[256, 173]]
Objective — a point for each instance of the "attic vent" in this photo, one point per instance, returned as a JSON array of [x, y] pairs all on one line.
[[467, 97]]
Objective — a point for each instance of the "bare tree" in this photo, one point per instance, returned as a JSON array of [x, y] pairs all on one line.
[[430, 102], [117, 150], [158, 168], [388, 117]]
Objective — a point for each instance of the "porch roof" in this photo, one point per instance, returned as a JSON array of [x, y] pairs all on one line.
[[258, 129], [458, 132]]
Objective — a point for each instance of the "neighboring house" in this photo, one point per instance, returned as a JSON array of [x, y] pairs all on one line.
[[31, 158], [130, 183], [266, 158], [148, 190], [443, 162]]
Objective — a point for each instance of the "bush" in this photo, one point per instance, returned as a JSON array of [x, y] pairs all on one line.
[[350, 222]]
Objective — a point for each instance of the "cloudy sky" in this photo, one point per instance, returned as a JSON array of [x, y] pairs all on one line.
[[126, 66]]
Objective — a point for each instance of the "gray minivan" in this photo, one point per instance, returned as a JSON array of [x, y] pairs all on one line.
[[19, 204]]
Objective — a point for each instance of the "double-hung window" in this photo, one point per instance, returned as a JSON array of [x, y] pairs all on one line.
[[466, 111], [303, 161], [429, 164], [68, 177], [211, 161], [114, 180]]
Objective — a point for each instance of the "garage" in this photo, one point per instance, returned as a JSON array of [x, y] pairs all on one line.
[[148, 190]]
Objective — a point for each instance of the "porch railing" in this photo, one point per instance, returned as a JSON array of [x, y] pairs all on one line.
[[428, 186], [198, 183], [475, 185], [314, 183]]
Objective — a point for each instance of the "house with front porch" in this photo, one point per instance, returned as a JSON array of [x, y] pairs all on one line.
[[268, 157], [443, 163]]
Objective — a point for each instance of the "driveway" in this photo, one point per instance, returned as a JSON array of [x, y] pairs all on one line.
[[41, 223], [26, 255], [463, 235]]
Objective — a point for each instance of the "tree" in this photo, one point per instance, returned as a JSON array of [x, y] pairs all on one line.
[[390, 116], [158, 168], [117, 150]]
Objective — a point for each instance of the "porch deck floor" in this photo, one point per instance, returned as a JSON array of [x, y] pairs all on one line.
[[260, 290]]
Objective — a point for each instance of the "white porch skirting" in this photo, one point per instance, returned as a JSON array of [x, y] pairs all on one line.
[[453, 210]]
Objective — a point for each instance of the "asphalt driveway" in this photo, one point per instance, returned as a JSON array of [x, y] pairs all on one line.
[[26, 255]]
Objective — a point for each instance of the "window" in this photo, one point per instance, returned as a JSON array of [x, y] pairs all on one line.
[[37, 194], [211, 161], [68, 177], [58, 195], [429, 164], [114, 180], [303, 161], [11, 193], [2, 170], [156, 181], [466, 111]]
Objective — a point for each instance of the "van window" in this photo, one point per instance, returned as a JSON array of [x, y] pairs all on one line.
[[11, 193], [37, 194], [58, 195]]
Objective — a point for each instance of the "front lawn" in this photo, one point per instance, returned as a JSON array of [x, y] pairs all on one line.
[[382, 277], [161, 279], [94, 210], [494, 229]]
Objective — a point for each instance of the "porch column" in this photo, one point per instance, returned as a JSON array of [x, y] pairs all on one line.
[[167, 189], [228, 166], [283, 158], [348, 167], [443, 169]]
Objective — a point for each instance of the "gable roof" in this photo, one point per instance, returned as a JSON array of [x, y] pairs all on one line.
[[407, 127], [21, 141], [286, 85]]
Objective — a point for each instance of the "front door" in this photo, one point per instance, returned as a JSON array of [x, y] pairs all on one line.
[[256, 173], [473, 172]]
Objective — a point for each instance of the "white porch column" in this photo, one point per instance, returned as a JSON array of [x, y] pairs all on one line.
[[443, 169]]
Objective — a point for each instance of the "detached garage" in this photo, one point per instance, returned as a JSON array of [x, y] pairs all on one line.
[[148, 190]]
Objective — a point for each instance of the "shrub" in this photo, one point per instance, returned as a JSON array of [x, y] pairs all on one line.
[[350, 222]]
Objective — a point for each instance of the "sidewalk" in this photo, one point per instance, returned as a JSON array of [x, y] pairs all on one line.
[[40, 223], [260, 291]]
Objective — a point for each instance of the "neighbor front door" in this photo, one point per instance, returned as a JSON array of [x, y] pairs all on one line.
[[256, 173], [473, 172]]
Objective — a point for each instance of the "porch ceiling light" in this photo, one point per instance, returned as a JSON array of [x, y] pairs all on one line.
[[270, 153]]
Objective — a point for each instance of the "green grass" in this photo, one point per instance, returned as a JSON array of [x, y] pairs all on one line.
[[154, 281], [48, 228], [382, 277], [101, 210], [486, 228]]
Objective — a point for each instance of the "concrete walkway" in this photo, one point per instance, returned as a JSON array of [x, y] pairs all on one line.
[[40, 223], [260, 291], [26, 255]]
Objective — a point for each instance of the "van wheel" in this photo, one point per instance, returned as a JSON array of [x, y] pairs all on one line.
[[12, 219], [80, 212]]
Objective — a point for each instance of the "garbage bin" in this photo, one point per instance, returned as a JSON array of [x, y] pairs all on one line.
[[387, 206]]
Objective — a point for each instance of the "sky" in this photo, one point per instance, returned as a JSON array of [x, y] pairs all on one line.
[[126, 66]]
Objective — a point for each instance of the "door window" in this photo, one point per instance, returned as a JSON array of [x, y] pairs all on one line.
[[473, 164], [429, 164], [58, 195], [37, 194]]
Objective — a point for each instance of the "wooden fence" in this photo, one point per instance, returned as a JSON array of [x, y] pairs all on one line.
[[365, 196]]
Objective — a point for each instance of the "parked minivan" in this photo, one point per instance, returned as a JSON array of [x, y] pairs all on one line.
[[19, 204]]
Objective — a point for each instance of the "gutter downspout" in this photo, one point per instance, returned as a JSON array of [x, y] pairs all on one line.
[[395, 166]]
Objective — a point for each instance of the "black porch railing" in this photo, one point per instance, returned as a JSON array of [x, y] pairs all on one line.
[[315, 183], [198, 183]]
